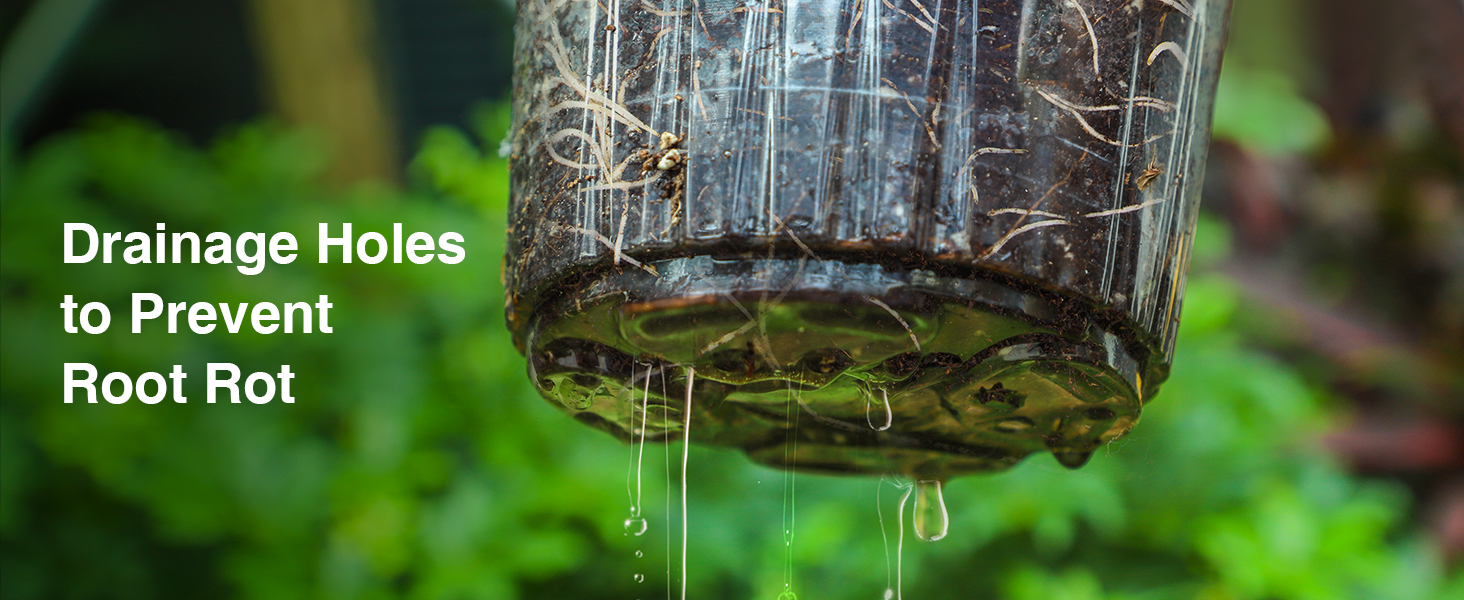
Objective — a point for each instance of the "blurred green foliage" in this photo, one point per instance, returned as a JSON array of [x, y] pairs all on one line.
[[1262, 100], [1261, 109], [419, 463]]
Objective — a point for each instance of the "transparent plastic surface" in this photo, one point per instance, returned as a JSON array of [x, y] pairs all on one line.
[[951, 234]]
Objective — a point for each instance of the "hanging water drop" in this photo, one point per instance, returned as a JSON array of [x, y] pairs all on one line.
[[1073, 460], [931, 518], [640, 578], [639, 554], [889, 594], [788, 595], [635, 525], [880, 396]]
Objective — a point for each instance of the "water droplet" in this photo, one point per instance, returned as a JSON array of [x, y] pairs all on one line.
[[931, 518], [640, 578], [635, 526], [881, 397], [1074, 459], [787, 595], [889, 593], [639, 554]]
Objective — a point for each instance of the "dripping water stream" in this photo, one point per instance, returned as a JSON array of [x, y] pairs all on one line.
[[884, 535], [929, 516], [930, 521], [900, 548], [685, 454], [636, 523], [667, 449], [790, 493]]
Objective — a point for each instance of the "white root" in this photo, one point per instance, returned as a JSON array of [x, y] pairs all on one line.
[[1023, 211], [1171, 48], [1127, 209], [896, 315], [1077, 113], [599, 237], [1183, 7], [1092, 37], [1015, 232]]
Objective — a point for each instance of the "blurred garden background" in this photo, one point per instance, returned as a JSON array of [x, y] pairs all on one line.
[[1309, 445]]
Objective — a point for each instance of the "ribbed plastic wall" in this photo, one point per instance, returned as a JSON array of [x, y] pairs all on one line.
[[1056, 142]]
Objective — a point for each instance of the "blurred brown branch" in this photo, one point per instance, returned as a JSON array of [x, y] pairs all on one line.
[[322, 75], [1367, 352], [1440, 26]]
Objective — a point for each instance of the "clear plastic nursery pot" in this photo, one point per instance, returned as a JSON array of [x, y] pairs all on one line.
[[881, 236]]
